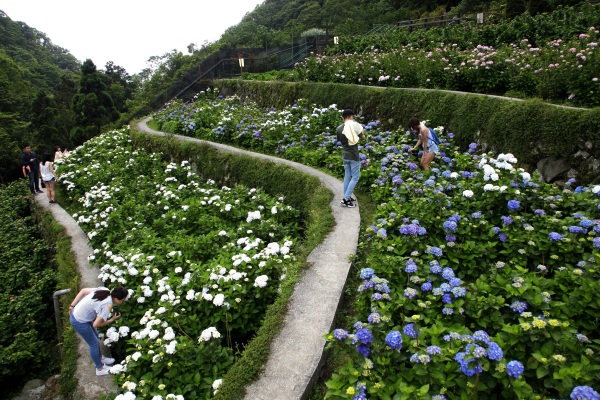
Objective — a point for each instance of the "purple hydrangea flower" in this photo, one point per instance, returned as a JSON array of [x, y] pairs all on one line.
[[411, 267], [450, 226], [374, 318], [506, 220], [577, 229], [426, 287], [410, 293]]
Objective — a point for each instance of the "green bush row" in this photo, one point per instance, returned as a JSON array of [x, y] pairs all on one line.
[[531, 130], [301, 191]]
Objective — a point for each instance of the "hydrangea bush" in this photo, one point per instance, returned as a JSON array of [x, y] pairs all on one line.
[[477, 277], [201, 263]]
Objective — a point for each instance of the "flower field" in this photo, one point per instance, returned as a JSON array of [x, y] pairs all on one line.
[[201, 263], [476, 280]]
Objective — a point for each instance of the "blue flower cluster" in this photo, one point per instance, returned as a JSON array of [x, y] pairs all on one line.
[[410, 331], [584, 393], [518, 306], [513, 205], [394, 340], [479, 345], [514, 369], [413, 230]]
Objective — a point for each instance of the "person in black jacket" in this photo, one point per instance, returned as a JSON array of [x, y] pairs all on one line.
[[31, 168]]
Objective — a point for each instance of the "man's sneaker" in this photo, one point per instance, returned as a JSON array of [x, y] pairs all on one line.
[[39, 191], [103, 371], [108, 360], [348, 203]]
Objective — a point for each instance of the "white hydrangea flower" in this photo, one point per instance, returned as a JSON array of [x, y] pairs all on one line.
[[261, 281]]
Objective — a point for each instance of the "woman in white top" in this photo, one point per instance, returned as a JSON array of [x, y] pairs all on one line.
[[48, 177], [430, 149], [90, 310], [58, 154]]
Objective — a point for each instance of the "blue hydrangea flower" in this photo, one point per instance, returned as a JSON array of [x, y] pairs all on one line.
[[376, 296], [426, 287], [435, 267], [394, 340], [513, 205], [518, 306], [366, 273], [445, 287], [459, 291], [476, 215], [514, 369], [447, 299], [410, 293], [539, 212], [436, 251], [358, 325], [363, 349], [374, 318], [438, 397], [447, 311], [506, 220], [577, 229], [502, 237], [410, 331], [450, 226], [584, 393], [450, 238], [364, 335], [582, 338], [433, 350], [586, 223], [470, 366], [448, 273], [481, 336], [411, 267], [340, 334], [597, 242], [495, 352], [555, 237], [360, 395]]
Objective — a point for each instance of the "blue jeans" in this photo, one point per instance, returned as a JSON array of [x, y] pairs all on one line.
[[34, 181], [351, 174], [90, 335]]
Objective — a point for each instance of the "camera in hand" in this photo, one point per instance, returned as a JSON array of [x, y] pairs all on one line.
[[116, 310]]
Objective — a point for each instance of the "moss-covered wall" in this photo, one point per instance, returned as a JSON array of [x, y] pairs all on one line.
[[531, 130]]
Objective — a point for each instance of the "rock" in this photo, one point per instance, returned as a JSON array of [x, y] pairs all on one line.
[[33, 390], [589, 145], [551, 168], [581, 154]]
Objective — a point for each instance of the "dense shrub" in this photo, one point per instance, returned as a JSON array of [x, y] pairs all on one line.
[[27, 281]]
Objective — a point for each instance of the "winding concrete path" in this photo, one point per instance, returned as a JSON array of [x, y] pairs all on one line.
[[90, 386], [296, 353]]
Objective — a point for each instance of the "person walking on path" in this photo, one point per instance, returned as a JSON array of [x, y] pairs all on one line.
[[31, 169], [90, 310], [348, 134], [48, 176], [430, 148]]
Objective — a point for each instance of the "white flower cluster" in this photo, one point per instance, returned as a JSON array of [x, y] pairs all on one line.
[[208, 334], [261, 281]]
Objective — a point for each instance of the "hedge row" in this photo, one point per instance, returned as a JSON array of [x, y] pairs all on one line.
[[301, 191], [531, 130]]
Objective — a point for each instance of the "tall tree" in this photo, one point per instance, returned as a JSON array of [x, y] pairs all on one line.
[[92, 105]]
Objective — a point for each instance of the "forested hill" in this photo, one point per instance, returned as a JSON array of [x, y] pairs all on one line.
[[42, 62], [274, 21]]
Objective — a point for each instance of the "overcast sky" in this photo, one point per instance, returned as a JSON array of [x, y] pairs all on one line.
[[128, 32]]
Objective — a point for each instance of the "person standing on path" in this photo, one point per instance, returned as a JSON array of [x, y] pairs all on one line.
[[430, 148], [59, 154], [90, 310], [31, 168], [48, 176], [348, 135]]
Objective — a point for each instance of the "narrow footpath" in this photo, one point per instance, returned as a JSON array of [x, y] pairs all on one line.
[[90, 386], [296, 354]]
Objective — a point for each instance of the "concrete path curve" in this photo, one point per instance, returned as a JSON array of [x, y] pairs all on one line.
[[90, 386], [296, 353]]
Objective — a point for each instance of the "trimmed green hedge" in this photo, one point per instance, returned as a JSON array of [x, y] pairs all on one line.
[[531, 129], [301, 191]]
